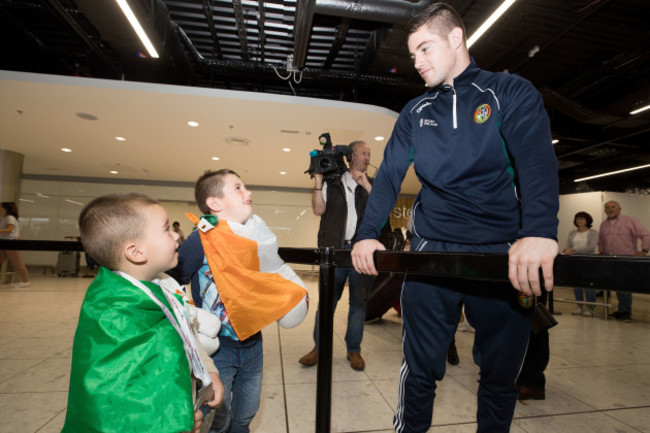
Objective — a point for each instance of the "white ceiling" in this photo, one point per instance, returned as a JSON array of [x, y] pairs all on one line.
[[38, 118]]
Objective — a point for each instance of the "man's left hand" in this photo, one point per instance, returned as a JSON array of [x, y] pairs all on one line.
[[525, 257], [361, 179]]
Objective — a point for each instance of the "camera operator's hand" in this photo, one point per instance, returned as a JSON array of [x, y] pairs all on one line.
[[317, 201], [361, 179]]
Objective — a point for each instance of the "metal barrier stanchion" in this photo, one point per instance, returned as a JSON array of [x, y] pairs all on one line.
[[325, 338]]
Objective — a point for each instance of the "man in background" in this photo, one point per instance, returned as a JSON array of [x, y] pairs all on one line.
[[618, 235]]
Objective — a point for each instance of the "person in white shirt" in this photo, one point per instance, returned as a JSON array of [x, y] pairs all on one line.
[[583, 241], [10, 230]]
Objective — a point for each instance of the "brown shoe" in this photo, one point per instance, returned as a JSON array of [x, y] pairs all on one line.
[[309, 359], [356, 361], [530, 393]]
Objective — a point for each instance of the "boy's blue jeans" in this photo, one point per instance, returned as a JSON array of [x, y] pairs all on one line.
[[240, 369]]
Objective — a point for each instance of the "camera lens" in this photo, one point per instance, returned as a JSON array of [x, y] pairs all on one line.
[[324, 163]]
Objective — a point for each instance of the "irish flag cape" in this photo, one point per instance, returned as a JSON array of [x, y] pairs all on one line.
[[254, 284], [129, 368]]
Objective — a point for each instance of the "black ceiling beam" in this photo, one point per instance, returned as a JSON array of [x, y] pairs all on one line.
[[375, 40], [16, 57], [339, 39], [254, 70], [605, 142], [63, 14], [207, 11], [383, 11], [261, 20], [302, 30], [241, 29], [597, 6]]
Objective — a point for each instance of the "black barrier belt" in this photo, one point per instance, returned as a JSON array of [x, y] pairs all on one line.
[[604, 272], [23, 245], [599, 272]]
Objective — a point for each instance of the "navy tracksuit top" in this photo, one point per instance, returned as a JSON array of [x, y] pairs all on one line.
[[482, 151]]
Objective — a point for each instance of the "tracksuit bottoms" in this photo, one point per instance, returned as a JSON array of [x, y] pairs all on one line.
[[431, 309]]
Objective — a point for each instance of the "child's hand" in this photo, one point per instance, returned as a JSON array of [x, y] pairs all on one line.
[[219, 391], [198, 421]]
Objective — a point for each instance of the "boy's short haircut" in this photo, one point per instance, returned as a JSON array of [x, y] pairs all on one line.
[[210, 184], [109, 221], [441, 18]]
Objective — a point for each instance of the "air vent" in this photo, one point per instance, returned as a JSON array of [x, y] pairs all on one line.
[[237, 141]]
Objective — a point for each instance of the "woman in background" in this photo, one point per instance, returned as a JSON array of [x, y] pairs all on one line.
[[9, 230], [583, 241]]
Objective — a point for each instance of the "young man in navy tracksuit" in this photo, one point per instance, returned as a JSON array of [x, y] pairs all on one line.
[[481, 145]]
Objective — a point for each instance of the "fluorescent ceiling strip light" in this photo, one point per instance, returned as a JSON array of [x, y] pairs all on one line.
[[126, 10], [638, 110], [491, 20], [613, 172]]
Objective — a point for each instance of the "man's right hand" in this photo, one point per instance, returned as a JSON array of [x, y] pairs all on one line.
[[363, 255]]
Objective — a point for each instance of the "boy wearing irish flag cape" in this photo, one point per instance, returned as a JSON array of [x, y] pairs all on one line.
[[136, 366], [237, 275]]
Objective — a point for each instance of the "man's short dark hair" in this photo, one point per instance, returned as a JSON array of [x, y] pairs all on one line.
[[109, 221], [584, 215], [441, 18], [210, 184]]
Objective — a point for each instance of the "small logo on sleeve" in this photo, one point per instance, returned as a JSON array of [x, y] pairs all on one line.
[[428, 122], [482, 113]]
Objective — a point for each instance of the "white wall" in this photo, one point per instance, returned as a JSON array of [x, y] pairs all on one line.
[[49, 211]]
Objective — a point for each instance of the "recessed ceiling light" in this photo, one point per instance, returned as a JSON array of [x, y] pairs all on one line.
[[286, 149], [283, 172], [215, 158], [555, 141], [379, 138], [120, 138], [193, 124], [114, 172], [65, 149]]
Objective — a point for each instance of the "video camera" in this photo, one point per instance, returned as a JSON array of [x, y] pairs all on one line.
[[329, 161]]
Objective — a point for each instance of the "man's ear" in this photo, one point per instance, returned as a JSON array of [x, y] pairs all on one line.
[[214, 203], [456, 37], [133, 253]]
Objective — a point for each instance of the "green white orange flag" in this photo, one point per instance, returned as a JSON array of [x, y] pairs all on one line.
[[255, 285]]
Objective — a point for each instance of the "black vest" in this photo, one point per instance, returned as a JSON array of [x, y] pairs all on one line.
[[333, 221]]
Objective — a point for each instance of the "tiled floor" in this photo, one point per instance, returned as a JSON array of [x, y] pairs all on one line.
[[598, 378]]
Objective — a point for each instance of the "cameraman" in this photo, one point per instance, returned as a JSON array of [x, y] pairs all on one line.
[[340, 202]]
